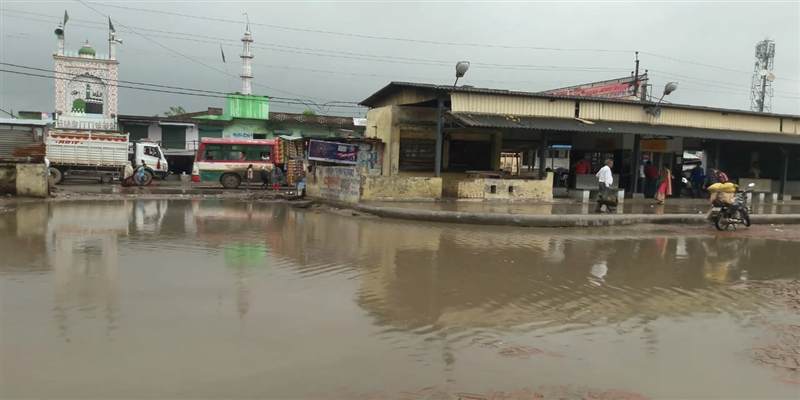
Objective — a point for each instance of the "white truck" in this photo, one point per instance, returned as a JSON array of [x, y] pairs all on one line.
[[83, 154]]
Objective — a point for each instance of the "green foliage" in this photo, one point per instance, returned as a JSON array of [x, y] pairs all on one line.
[[173, 111], [309, 112]]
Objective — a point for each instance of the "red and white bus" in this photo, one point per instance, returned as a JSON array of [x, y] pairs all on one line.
[[226, 160]]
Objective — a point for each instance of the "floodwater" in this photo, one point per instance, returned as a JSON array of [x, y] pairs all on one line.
[[225, 299], [673, 206]]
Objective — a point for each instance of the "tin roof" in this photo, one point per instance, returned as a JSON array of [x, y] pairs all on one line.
[[29, 122], [574, 125], [445, 90]]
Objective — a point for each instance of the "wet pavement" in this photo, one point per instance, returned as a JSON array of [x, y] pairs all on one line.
[[226, 299], [677, 206]]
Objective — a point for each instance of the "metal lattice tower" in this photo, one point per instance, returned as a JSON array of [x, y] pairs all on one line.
[[761, 92], [247, 57]]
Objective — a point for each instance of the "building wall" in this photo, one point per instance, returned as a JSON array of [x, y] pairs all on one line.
[[154, 132], [504, 189], [245, 129], [391, 123], [400, 188], [592, 110], [511, 105], [340, 184]]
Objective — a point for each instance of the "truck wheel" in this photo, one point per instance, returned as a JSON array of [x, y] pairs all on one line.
[[105, 179], [230, 181], [55, 174]]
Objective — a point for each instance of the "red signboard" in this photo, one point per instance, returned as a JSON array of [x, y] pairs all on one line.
[[623, 90]]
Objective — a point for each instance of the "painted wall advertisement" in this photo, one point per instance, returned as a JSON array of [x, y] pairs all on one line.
[[341, 153]]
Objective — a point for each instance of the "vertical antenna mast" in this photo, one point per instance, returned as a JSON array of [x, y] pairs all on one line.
[[761, 91]]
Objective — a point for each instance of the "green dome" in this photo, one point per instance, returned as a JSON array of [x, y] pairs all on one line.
[[86, 50]]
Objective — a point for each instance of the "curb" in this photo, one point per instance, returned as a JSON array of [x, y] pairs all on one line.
[[556, 220]]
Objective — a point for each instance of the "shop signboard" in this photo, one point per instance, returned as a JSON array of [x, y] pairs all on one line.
[[614, 89], [654, 145], [340, 153]]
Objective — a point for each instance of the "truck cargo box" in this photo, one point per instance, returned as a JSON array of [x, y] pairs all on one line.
[[87, 148]]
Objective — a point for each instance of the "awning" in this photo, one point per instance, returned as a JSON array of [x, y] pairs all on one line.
[[574, 125]]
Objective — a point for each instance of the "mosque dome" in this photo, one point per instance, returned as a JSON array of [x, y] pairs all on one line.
[[86, 50]]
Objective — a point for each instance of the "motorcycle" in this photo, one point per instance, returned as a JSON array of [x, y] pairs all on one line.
[[736, 213]]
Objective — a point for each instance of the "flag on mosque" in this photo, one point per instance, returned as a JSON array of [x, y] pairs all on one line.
[[111, 26], [223, 53], [66, 17]]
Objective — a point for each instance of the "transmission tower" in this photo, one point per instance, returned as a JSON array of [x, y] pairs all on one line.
[[761, 92]]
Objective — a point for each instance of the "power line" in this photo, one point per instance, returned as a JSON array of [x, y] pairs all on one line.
[[371, 36], [185, 92], [185, 56], [436, 42], [274, 99], [701, 81], [366, 57]]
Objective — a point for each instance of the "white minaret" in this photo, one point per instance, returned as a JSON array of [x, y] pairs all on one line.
[[247, 56]]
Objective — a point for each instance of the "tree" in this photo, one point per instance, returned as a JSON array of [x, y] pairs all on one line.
[[173, 111], [309, 112]]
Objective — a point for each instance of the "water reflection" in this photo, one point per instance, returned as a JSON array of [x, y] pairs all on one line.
[[268, 288]]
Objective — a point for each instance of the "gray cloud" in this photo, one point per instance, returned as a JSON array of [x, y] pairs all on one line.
[[705, 33]]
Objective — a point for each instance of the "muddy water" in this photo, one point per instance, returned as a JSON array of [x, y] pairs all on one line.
[[216, 299]]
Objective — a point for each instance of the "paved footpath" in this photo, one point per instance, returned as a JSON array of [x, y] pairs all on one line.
[[566, 214]]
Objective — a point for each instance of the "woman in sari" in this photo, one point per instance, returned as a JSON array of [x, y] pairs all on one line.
[[664, 185]]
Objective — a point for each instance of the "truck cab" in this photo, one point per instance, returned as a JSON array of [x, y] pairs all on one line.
[[152, 155]]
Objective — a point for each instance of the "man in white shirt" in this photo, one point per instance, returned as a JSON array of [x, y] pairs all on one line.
[[605, 180]]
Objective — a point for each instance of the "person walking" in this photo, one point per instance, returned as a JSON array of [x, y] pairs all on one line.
[[698, 177], [264, 177], [650, 178], [605, 179], [664, 185], [277, 178], [249, 175]]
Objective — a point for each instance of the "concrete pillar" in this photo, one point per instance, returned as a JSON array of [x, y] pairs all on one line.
[[784, 170], [636, 162], [543, 156], [32, 181]]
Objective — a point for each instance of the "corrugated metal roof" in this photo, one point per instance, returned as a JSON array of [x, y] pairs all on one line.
[[446, 90], [574, 125], [29, 122]]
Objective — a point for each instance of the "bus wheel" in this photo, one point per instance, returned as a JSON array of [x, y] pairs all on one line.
[[230, 181], [55, 174]]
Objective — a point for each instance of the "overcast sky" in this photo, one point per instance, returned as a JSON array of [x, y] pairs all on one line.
[[297, 63]]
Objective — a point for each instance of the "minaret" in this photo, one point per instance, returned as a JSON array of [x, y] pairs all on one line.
[[60, 36], [247, 56]]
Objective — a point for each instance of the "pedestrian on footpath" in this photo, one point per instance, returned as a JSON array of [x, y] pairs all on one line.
[[277, 178], [651, 177], [698, 177], [605, 179], [249, 175], [664, 185]]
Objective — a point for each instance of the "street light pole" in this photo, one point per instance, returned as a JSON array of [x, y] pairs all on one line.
[[461, 69], [437, 167]]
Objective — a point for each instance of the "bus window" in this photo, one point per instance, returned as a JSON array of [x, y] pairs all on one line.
[[212, 152]]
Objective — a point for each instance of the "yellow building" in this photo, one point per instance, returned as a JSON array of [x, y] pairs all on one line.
[[476, 125]]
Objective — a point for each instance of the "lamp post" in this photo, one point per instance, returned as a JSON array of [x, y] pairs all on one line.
[[461, 70], [655, 112]]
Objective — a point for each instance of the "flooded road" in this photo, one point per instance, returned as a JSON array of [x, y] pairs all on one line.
[[225, 299]]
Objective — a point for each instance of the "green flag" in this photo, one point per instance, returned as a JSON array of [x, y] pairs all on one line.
[[223, 53], [111, 26], [66, 17]]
